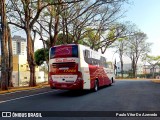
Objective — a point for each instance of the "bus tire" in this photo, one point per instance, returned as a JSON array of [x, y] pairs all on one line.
[[52, 87], [96, 86], [112, 81]]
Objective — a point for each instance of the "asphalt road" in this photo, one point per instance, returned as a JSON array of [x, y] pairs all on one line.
[[124, 95]]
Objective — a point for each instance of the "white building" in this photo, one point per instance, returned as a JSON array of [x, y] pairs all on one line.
[[21, 71], [19, 45], [140, 69], [126, 67], [149, 69]]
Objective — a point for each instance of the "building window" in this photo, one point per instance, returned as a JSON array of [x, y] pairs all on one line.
[[18, 47]]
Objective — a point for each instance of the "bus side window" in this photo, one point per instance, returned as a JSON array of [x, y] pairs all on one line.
[[87, 56], [106, 65], [109, 65], [103, 61]]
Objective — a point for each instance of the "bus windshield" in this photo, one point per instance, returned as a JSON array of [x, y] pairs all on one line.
[[64, 51]]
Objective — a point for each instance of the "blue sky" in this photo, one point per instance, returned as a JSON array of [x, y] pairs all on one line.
[[146, 15]]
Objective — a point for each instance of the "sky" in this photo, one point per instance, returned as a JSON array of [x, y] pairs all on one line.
[[146, 15]]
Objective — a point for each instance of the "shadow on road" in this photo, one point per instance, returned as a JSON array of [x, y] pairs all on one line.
[[77, 93], [74, 93]]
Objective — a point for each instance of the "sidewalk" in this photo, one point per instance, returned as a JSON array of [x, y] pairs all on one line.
[[15, 89], [156, 80], [152, 80]]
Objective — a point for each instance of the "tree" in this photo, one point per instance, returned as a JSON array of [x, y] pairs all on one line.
[[153, 61], [10, 60], [6, 49], [64, 39], [4, 56], [101, 16], [115, 32], [120, 45], [136, 48], [90, 38], [24, 14], [40, 56], [57, 19], [53, 20], [75, 20]]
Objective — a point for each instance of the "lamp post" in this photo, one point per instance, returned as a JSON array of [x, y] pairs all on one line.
[[18, 70]]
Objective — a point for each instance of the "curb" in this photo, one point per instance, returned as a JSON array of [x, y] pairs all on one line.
[[152, 80], [14, 90]]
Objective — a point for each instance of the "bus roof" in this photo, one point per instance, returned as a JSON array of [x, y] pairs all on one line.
[[84, 46]]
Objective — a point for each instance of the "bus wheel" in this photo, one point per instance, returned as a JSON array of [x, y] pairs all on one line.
[[96, 85], [111, 81]]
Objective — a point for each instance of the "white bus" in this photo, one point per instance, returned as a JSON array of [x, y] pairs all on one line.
[[75, 67]]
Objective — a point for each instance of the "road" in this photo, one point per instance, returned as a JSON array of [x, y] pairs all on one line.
[[123, 95]]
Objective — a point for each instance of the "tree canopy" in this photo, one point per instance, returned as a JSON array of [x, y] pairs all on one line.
[[41, 55]]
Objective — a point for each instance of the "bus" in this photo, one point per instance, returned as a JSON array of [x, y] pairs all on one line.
[[77, 67]]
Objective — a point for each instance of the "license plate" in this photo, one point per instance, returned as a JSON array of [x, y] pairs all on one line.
[[66, 68], [63, 85]]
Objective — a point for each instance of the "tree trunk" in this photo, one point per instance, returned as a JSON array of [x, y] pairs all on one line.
[[7, 56], [63, 29], [50, 32], [55, 30], [153, 73], [30, 58], [121, 60], [4, 52], [67, 33], [32, 81], [135, 70], [10, 59], [30, 45], [134, 67]]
